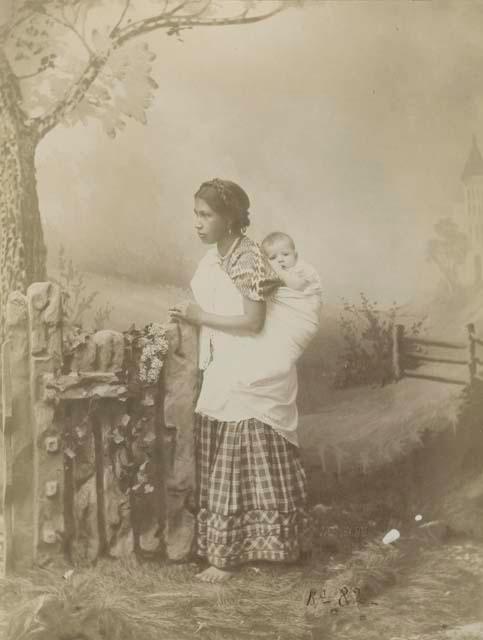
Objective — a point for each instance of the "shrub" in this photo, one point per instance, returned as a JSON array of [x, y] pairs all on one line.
[[76, 303], [76, 300], [367, 336]]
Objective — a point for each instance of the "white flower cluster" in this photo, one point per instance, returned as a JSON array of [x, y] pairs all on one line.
[[155, 347]]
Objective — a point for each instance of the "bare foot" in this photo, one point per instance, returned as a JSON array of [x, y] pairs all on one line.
[[212, 574]]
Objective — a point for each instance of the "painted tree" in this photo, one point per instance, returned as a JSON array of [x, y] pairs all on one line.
[[448, 250], [65, 61]]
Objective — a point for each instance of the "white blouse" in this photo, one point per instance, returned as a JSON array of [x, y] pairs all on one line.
[[232, 389]]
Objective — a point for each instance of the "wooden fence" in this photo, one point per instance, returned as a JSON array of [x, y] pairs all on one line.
[[410, 352], [94, 462]]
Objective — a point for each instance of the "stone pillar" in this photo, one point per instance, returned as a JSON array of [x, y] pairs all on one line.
[[5, 462], [17, 450], [45, 329], [181, 381], [87, 466]]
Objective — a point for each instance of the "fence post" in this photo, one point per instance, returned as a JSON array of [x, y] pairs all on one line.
[[45, 345], [397, 339], [471, 351]]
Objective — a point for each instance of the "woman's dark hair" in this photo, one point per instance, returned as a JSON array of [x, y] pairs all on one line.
[[229, 200]]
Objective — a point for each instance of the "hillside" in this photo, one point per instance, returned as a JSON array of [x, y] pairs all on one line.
[[131, 301], [363, 427]]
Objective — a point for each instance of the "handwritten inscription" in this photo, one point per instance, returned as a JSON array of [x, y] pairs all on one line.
[[345, 532], [345, 597]]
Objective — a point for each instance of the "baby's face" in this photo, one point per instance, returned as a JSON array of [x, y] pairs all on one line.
[[281, 254]]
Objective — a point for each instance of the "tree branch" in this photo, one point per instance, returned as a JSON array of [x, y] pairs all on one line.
[[178, 8], [72, 98], [81, 85], [68, 25], [8, 30], [202, 10], [165, 21], [77, 13], [121, 18], [34, 74]]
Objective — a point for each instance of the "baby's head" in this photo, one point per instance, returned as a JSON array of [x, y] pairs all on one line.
[[280, 249]]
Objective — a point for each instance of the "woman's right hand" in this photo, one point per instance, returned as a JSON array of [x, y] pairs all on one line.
[[186, 312]]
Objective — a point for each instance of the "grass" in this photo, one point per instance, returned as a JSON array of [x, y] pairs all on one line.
[[124, 600], [419, 587]]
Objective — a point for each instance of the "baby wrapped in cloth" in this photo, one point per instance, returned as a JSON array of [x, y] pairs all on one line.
[[267, 374]]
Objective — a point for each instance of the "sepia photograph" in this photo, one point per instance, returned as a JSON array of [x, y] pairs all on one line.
[[241, 320]]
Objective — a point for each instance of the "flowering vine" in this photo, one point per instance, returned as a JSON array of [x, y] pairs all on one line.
[[154, 350]]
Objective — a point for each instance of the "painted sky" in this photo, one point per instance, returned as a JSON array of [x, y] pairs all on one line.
[[348, 123]]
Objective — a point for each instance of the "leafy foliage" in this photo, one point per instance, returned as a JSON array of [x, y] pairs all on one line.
[[53, 44], [38, 38], [90, 60], [367, 338], [34, 40], [367, 335], [76, 300], [124, 89]]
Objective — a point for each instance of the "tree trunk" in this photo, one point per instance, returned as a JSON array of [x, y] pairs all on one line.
[[22, 248]]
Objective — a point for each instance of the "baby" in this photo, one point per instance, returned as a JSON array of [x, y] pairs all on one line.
[[294, 273], [291, 322]]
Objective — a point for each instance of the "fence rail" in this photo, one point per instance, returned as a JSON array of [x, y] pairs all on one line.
[[405, 353], [434, 343]]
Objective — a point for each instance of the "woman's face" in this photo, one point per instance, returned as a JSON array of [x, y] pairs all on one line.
[[210, 226]]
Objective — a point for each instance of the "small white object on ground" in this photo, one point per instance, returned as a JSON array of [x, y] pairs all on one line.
[[418, 518], [391, 536]]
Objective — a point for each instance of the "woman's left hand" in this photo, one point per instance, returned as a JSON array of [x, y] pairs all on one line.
[[190, 313]]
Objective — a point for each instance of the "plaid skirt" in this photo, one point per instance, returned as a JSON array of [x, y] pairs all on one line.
[[251, 493]]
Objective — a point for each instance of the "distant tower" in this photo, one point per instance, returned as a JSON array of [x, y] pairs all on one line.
[[472, 178]]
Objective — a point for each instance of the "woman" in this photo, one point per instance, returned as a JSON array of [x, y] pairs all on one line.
[[251, 481]]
